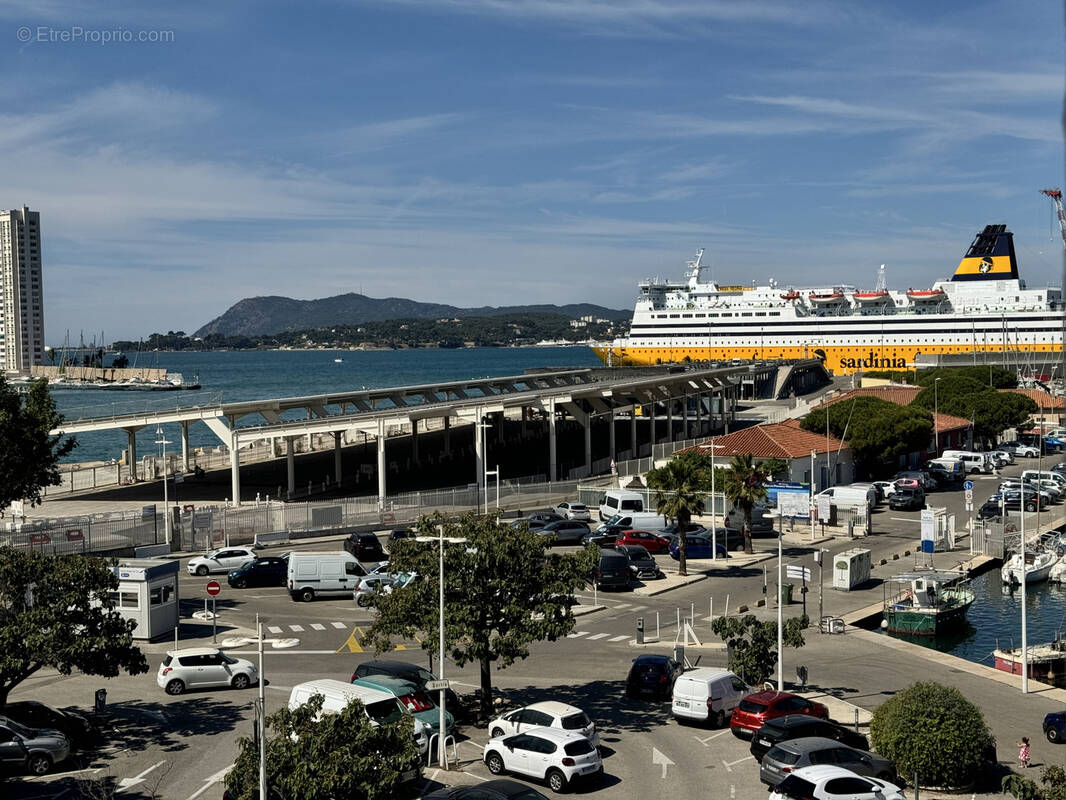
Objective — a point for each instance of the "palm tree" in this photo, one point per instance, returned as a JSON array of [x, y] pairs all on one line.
[[680, 487], [744, 487]]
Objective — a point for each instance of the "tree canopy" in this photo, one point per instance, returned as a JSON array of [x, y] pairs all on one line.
[[680, 488], [29, 455], [503, 590], [932, 731], [314, 756], [878, 432], [58, 612], [745, 481], [753, 644], [992, 411]]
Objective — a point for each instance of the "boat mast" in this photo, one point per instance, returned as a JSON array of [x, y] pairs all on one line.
[[1056, 198], [882, 282]]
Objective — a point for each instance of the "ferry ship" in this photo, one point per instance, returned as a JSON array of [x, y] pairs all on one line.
[[983, 308]]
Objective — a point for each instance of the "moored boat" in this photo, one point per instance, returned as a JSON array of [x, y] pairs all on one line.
[[1038, 566], [1045, 661], [927, 602]]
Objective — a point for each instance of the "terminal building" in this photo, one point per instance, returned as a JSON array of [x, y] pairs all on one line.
[[21, 292]]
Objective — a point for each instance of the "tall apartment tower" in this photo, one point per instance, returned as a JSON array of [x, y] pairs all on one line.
[[21, 295]]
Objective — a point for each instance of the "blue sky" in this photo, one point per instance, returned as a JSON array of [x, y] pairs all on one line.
[[511, 151]]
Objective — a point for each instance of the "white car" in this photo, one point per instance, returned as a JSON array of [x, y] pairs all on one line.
[[824, 782], [204, 668], [549, 714], [574, 511], [887, 488], [556, 756], [1026, 451], [222, 560]]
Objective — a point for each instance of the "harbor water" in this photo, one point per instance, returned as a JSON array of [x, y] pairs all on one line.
[[231, 376]]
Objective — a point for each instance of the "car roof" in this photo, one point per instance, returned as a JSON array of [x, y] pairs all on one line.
[[558, 734], [392, 666], [798, 721], [555, 707], [820, 772], [194, 651], [389, 682], [651, 658], [705, 673], [805, 744], [504, 786], [769, 696]]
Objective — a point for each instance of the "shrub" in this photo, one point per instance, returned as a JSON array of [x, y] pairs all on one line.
[[1052, 785], [933, 731]]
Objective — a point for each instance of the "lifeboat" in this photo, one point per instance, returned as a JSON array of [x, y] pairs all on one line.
[[826, 298], [791, 294], [925, 295], [870, 297]]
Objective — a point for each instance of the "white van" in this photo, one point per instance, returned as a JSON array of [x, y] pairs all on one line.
[[971, 462], [849, 495], [646, 522], [1045, 475], [314, 575], [381, 707], [620, 501], [707, 694]]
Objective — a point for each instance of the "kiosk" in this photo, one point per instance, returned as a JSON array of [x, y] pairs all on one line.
[[148, 594]]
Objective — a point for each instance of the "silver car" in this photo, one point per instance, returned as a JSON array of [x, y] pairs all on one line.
[[32, 749], [788, 756]]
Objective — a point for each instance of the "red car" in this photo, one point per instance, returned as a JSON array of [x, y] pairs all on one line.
[[754, 710], [649, 541]]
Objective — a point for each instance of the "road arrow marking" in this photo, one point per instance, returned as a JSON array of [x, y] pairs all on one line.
[[209, 782], [129, 783], [657, 757]]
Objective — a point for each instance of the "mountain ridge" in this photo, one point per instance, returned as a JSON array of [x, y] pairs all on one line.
[[269, 314]]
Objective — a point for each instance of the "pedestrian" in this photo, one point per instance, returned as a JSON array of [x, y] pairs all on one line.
[[1023, 752]]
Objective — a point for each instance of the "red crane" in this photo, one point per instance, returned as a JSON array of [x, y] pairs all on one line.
[[1056, 198]]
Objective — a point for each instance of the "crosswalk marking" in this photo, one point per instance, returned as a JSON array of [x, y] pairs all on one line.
[[576, 634], [620, 606], [274, 629], [618, 638], [638, 608], [597, 636], [339, 625], [316, 626], [296, 628]]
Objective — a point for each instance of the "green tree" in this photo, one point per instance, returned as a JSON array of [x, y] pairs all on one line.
[[58, 612], [314, 756], [680, 488], [753, 644], [503, 590], [745, 481], [987, 376], [878, 432], [934, 732], [29, 454], [992, 411], [1052, 785]]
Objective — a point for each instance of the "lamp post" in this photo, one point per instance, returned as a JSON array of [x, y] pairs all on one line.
[[1025, 664], [442, 753], [714, 515], [484, 442], [810, 505], [936, 414], [166, 500], [780, 618]]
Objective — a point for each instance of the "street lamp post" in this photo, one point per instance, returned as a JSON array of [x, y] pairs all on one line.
[[1025, 660], [780, 618], [166, 500], [810, 505], [936, 414], [714, 515]]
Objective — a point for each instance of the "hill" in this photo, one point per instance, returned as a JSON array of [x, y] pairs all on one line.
[[258, 316]]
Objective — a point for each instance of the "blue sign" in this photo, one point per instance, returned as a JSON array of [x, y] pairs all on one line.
[[967, 484]]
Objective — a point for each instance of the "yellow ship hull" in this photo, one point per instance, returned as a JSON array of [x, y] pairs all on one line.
[[840, 360]]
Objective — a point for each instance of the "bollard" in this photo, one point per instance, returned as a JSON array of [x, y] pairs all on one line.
[[640, 630], [100, 701], [856, 720]]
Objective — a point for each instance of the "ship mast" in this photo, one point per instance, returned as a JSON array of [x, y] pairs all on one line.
[[1056, 198]]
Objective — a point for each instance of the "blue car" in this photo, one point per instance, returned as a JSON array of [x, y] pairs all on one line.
[[699, 547], [1055, 726]]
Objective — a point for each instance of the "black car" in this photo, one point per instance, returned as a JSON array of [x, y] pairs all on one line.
[[78, 729], [404, 670], [366, 547], [1055, 726], [652, 676], [641, 563], [907, 498], [499, 789], [798, 726], [990, 509], [613, 571], [266, 571], [1012, 499], [601, 538], [565, 531]]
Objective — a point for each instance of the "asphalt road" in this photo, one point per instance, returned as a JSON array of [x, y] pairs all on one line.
[[179, 747]]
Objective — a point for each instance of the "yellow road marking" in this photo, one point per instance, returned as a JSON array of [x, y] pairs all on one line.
[[353, 645]]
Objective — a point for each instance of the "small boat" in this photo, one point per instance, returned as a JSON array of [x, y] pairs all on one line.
[[791, 294], [825, 297], [1046, 661], [338, 361], [870, 297], [1038, 566], [927, 602], [924, 295]]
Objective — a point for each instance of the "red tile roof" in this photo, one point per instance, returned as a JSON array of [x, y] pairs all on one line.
[[1045, 401], [777, 440], [900, 394]]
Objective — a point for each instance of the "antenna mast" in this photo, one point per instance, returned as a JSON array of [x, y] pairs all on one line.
[[1056, 198]]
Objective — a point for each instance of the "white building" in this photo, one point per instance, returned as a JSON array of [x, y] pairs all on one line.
[[21, 293]]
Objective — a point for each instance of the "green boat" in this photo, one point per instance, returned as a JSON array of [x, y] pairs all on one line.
[[926, 603]]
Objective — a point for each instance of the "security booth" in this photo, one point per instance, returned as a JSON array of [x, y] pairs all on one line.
[[148, 594], [851, 569]]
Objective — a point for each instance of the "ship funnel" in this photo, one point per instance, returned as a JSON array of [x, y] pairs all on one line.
[[990, 257]]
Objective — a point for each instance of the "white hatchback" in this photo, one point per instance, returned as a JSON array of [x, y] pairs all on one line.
[[549, 714], [574, 511], [204, 668], [556, 756], [824, 782], [222, 560]]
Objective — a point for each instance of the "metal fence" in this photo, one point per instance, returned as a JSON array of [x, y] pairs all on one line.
[[97, 533]]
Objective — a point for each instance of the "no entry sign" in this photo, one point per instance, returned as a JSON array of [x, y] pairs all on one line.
[[213, 588]]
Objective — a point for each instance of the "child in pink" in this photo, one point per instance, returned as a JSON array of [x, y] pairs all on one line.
[[1023, 752]]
